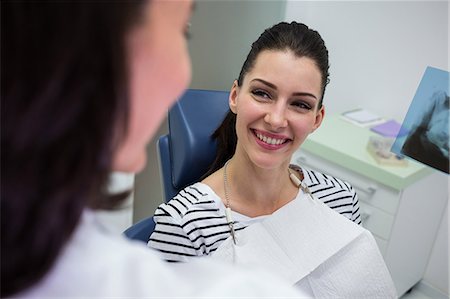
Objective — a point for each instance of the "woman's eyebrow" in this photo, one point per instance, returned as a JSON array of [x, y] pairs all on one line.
[[273, 86]]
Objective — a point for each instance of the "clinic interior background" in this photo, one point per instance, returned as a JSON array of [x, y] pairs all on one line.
[[378, 53]]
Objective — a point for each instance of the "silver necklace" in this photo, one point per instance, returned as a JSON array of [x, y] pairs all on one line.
[[227, 206], [297, 182]]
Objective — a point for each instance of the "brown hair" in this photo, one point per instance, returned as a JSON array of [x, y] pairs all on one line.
[[64, 93]]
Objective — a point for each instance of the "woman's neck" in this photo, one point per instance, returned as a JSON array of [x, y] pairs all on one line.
[[254, 191]]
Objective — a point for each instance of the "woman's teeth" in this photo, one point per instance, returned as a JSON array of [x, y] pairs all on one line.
[[270, 140]]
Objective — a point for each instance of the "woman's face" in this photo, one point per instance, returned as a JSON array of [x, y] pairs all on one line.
[[160, 71], [276, 107]]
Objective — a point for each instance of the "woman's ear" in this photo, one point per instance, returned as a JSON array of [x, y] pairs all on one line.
[[319, 117], [232, 99]]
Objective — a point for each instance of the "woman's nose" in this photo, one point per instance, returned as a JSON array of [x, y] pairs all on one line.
[[276, 117]]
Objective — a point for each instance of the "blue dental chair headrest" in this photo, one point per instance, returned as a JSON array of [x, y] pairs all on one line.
[[188, 150]]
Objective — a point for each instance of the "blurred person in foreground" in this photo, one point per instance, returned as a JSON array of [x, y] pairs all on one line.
[[84, 86]]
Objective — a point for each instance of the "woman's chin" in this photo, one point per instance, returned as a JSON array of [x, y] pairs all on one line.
[[271, 163]]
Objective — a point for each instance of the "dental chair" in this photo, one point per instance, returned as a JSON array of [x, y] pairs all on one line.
[[188, 150]]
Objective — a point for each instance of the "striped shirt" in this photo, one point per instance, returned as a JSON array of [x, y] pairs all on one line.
[[193, 223]]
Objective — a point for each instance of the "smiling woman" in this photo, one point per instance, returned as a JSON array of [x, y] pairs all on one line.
[[274, 105], [278, 100], [233, 214]]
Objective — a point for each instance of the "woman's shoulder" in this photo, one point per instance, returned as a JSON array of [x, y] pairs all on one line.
[[318, 181], [337, 194], [191, 199]]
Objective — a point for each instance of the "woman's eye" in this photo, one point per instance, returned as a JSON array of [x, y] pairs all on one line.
[[302, 105], [261, 94]]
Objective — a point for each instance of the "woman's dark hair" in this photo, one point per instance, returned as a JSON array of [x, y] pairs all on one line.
[[295, 37], [64, 110]]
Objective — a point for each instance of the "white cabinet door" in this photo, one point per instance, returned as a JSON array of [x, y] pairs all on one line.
[[403, 222]]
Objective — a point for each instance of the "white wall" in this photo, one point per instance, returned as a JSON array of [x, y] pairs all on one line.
[[222, 34], [378, 49], [148, 192], [378, 53]]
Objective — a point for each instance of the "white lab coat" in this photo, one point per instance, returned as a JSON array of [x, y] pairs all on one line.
[[98, 264]]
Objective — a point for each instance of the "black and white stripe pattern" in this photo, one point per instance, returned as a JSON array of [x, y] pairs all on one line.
[[193, 223], [337, 194]]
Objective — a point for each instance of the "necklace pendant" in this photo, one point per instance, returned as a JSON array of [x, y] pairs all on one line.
[[230, 223]]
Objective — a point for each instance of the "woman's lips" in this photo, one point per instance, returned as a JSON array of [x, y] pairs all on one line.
[[270, 141]]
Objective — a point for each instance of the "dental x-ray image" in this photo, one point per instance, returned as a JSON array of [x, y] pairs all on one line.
[[427, 122]]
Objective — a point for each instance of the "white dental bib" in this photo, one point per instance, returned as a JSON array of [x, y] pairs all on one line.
[[309, 244]]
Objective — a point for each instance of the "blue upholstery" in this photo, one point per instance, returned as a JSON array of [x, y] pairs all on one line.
[[165, 167], [187, 151], [141, 230]]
